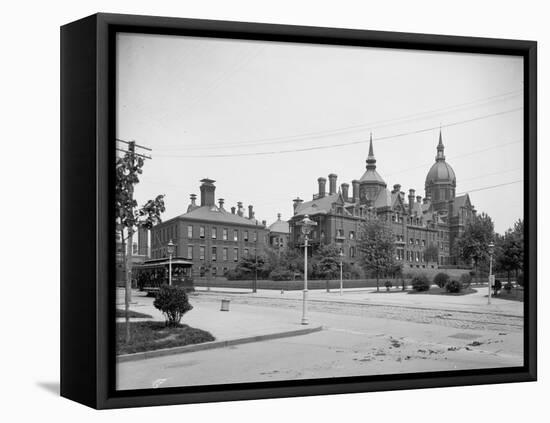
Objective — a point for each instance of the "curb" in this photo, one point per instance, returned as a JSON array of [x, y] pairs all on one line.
[[215, 344]]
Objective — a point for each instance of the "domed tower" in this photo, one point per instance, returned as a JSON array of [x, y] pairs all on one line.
[[371, 183], [441, 180]]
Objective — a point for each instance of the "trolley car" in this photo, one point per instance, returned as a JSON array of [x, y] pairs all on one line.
[[152, 274]]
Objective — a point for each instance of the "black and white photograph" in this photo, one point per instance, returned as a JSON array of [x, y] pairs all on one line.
[[289, 211]]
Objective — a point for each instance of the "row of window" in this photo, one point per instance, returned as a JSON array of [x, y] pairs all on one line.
[[340, 234], [413, 241], [411, 220], [224, 234], [165, 235], [214, 253], [414, 256]]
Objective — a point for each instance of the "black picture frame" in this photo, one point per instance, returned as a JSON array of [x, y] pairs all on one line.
[[87, 249]]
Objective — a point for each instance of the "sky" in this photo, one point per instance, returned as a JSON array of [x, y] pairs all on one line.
[[266, 119]]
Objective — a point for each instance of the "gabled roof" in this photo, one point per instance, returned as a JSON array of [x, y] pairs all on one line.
[[215, 214], [383, 199], [321, 205], [280, 226], [461, 201]]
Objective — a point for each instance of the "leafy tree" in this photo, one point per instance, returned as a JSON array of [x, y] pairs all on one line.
[[431, 252], [509, 251], [129, 217], [249, 266], [473, 244], [327, 261], [377, 248], [290, 260]]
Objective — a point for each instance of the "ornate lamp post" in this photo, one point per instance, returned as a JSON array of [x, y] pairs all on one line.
[[491, 277], [341, 280], [306, 223], [170, 248]]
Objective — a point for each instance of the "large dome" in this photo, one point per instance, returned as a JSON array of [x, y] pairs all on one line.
[[441, 171]]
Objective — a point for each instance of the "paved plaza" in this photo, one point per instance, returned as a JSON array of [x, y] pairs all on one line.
[[364, 333]]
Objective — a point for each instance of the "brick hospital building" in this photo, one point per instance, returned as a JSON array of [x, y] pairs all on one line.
[[209, 235], [436, 219]]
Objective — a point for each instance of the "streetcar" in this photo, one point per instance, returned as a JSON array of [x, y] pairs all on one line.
[[152, 274]]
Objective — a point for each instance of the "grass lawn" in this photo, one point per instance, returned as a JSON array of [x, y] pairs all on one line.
[[149, 336], [443, 291], [135, 314]]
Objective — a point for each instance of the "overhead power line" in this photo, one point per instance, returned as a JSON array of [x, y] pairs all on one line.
[[134, 153], [352, 128], [491, 174], [470, 153], [343, 144], [137, 145], [490, 187]]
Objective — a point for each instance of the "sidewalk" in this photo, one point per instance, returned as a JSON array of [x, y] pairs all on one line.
[[241, 321]]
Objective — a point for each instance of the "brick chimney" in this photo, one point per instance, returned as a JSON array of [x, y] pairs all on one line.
[[220, 203], [355, 185], [250, 212], [411, 200], [240, 208], [396, 188], [332, 183], [193, 204], [297, 201], [345, 191], [419, 199], [208, 190], [233, 210], [322, 184]]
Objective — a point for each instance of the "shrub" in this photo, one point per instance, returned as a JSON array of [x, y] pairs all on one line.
[[453, 287], [465, 280], [519, 279], [281, 275], [441, 279], [388, 285], [173, 302], [420, 283]]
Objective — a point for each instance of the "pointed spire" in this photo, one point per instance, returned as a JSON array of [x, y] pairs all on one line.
[[440, 149], [371, 161]]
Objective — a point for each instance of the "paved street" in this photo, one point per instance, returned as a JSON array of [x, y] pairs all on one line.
[[364, 334]]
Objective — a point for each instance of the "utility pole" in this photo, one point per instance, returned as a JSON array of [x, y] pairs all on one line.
[[129, 245], [255, 264]]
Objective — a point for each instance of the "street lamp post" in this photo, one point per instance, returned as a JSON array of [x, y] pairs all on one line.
[[491, 278], [341, 280], [170, 249], [306, 223]]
